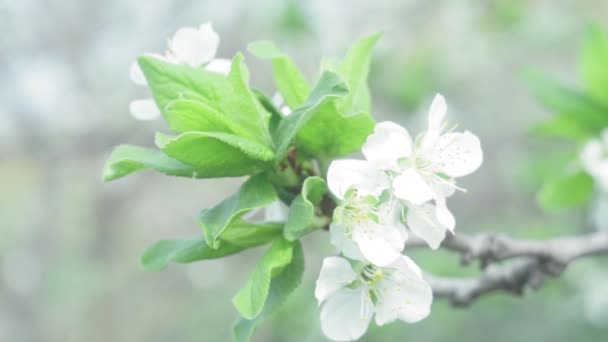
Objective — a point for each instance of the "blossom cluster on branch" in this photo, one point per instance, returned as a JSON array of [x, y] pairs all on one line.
[[403, 182]]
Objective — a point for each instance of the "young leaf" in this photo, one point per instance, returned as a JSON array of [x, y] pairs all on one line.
[[250, 300], [288, 78], [281, 287], [230, 96], [330, 86], [256, 192], [216, 154], [569, 104], [238, 236], [355, 69], [594, 64], [302, 209], [566, 191], [332, 135], [126, 159], [185, 115]]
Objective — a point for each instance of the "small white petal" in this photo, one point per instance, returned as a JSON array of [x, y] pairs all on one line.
[[194, 47], [458, 154], [277, 211], [343, 242], [346, 173], [277, 100], [437, 114], [379, 244], [219, 65], [404, 295], [335, 274], [444, 216], [422, 221], [412, 187], [346, 314], [145, 109], [285, 111], [136, 75], [387, 145]]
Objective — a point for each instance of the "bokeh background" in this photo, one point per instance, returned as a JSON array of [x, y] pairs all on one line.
[[70, 245]]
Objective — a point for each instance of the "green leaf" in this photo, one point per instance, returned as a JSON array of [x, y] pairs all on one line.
[[332, 135], [594, 64], [281, 287], [216, 154], [566, 191], [256, 192], [571, 106], [330, 86], [302, 210], [238, 236], [126, 159], [230, 95], [355, 69], [289, 80], [250, 300], [184, 115], [563, 127]]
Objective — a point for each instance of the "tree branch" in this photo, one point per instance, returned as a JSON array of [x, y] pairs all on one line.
[[538, 260]]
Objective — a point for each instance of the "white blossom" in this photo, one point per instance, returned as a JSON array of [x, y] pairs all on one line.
[[363, 218], [350, 296], [189, 46], [423, 170], [594, 158]]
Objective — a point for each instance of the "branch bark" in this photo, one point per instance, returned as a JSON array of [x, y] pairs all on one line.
[[538, 259]]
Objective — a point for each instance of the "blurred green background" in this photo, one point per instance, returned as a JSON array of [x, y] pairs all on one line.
[[70, 245]]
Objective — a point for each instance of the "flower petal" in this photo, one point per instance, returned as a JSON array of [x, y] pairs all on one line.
[[437, 114], [335, 273], [422, 221], [346, 314], [136, 75], [387, 145], [277, 211], [458, 154], [346, 173], [444, 216], [412, 187], [194, 47], [144, 109], [404, 295], [343, 242], [219, 65], [380, 245]]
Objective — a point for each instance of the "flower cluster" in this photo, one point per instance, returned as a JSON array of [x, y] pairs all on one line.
[[400, 187], [189, 46]]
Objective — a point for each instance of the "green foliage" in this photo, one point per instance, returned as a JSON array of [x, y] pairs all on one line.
[[329, 87], [216, 154], [594, 64], [250, 300], [302, 210], [355, 69], [580, 115], [566, 191], [224, 128], [332, 135], [126, 159], [257, 192], [281, 286], [240, 235], [229, 96], [287, 76]]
